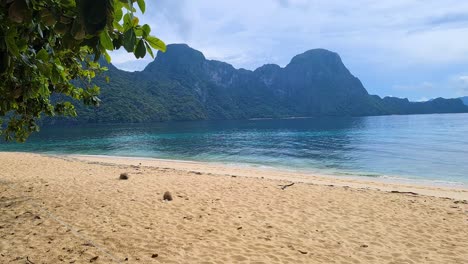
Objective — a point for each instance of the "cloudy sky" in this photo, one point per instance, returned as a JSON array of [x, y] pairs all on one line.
[[417, 49]]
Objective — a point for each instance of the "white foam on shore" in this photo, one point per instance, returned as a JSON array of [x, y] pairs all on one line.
[[391, 179]]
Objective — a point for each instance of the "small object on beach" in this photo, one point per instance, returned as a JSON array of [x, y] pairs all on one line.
[[154, 255], [93, 259], [239, 228], [167, 196], [29, 261], [302, 252], [124, 176], [411, 193], [364, 246], [283, 187]]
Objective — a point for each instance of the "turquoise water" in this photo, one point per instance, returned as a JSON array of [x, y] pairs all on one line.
[[420, 147]]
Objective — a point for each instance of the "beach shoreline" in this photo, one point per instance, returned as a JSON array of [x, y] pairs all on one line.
[[438, 188], [75, 209], [422, 187]]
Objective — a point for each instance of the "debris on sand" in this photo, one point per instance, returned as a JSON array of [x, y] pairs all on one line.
[[167, 196], [124, 176]]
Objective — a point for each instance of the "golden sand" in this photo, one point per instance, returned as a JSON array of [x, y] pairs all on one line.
[[74, 209]]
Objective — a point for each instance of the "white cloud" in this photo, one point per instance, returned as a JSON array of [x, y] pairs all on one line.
[[460, 84], [463, 80], [386, 40]]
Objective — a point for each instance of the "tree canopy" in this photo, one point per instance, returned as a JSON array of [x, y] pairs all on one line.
[[53, 47]]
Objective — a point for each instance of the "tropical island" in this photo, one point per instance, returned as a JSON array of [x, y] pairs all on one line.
[[181, 84]]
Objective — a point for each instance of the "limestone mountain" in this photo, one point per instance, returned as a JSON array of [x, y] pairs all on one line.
[[181, 84]]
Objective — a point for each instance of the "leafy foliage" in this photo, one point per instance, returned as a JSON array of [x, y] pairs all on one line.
[[53, 47]]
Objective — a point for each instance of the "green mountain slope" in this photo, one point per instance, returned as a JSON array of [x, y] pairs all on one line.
[[182, 84]]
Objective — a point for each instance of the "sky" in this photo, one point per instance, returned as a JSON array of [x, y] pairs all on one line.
[[416, 49]]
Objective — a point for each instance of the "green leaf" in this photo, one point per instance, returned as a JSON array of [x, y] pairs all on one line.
[[107, 57], [139, 31], [118, 41], [118, 14], [22, 44], [45, 69], [44, 89], [149, 50], [11, 45], [106, 40], [140, 50], [118, 26], [129, 40], [156, 43], [127, 21], [146, 30], [142, 5], [42, 55]]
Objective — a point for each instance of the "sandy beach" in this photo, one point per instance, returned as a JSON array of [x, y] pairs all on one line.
[[74, 209]]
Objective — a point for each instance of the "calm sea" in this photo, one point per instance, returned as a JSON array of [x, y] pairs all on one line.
[[419, 147]]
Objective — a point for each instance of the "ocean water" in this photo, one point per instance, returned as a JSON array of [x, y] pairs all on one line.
[[417, 147]]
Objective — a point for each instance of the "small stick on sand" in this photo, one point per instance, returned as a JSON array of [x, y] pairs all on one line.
[[412, 193], [286, 186]]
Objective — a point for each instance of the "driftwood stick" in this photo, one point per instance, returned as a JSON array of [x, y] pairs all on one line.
[[412, 193], [286, 186], [29, 261]]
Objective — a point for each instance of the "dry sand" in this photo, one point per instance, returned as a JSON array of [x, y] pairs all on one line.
[[74, 209]]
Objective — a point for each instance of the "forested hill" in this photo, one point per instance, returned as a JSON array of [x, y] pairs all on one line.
[[182, 84]]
